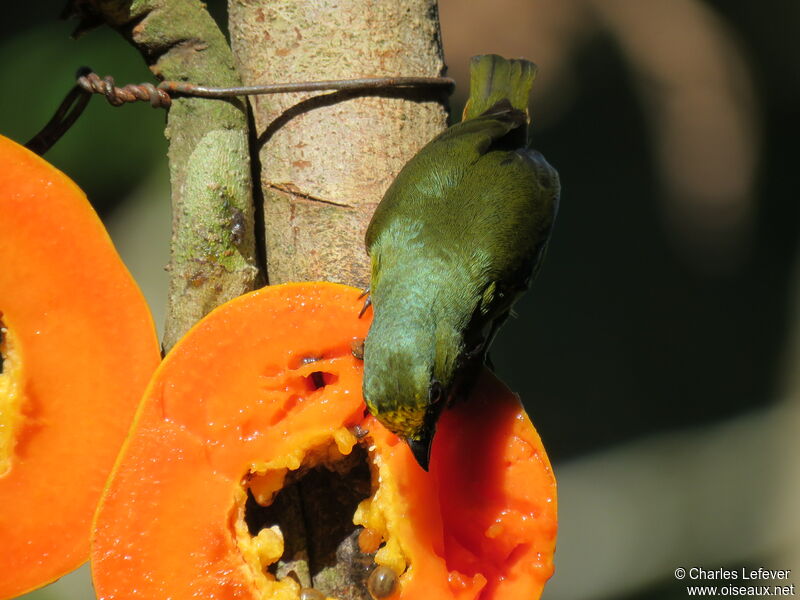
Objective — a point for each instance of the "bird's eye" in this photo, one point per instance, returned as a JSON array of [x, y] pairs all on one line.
[[435, 394]]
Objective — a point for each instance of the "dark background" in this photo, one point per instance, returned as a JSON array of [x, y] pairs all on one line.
[[659, 324]]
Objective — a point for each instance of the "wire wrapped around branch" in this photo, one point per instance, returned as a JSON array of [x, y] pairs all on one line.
[[159, 96], [118, 96], [365, 83], [89, 83]]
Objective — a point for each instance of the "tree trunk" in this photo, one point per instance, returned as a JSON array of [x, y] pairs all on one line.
[[326, 159], [212, 255]]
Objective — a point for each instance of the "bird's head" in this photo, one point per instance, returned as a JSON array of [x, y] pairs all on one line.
[[406, 387]]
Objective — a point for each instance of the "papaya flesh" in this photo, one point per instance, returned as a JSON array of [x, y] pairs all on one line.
[[266, 390], [77, 348]]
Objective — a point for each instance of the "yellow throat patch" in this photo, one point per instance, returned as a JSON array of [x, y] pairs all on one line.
[[404, 422]]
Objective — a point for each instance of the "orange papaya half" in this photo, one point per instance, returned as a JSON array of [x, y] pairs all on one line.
[[264, 392], [77, 348]]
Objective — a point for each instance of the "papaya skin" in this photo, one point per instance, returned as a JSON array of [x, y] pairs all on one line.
[[235, 406], [80, 346]]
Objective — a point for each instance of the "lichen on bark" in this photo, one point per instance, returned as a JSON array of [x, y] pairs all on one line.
[[213, 255]]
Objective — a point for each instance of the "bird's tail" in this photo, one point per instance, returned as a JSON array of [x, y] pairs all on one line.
[[494, 79]]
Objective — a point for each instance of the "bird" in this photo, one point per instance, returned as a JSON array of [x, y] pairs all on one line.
[[459, 235]]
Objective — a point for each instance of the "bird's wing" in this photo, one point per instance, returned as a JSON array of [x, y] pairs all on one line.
[[512, 197], [440, 166]]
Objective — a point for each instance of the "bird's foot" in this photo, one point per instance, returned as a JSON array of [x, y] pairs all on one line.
[[367, 302]]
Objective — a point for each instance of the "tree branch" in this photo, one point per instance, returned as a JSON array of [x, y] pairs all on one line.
[[213, 255]]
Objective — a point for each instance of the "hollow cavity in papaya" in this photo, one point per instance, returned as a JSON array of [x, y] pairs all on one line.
[[262, 400], [77, 347]]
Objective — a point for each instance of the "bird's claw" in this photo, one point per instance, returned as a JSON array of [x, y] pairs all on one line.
[[367, 302]]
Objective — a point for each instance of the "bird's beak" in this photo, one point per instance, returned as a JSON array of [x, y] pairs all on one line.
[[422, 441], [421, 448]]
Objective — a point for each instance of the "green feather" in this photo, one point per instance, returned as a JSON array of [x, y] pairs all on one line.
[[493, 79], [457, 238]]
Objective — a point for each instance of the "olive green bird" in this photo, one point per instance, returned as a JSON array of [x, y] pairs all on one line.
[[459, 235]]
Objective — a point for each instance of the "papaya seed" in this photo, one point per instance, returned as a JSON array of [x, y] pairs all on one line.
[[381, 582], [311, 594], [357, 349]]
